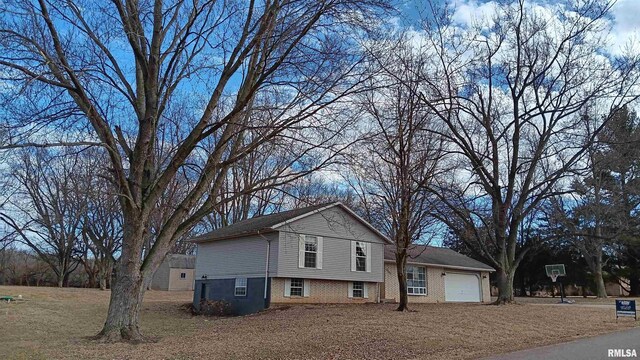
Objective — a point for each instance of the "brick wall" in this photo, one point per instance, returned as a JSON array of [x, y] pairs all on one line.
[[435, 286], [486, 287], [321, 291]]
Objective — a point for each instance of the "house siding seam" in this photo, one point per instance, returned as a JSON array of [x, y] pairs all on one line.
[[322, 291], [435, 285]]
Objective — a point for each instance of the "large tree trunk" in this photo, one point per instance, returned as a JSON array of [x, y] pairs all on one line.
[[505, 287], [401, 262], [123, 317], [127, 289], [601, 290]]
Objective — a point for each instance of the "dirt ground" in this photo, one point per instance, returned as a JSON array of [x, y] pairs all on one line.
[[55, 324]]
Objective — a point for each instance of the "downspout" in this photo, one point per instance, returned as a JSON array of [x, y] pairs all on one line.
[[266, 266]]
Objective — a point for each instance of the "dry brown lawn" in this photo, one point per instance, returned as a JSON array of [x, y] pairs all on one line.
[[590, 300], [56, 323]]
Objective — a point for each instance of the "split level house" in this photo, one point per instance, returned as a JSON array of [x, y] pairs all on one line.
[[323, 254]]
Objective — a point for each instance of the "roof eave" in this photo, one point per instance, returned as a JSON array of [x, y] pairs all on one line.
[[455, 267], [345, 208], [261, 231]]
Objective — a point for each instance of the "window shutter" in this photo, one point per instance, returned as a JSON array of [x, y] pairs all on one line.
[[319, 253], [365, 291], [306, 286], [353, 256], [287, 287], [350, 289], [301, 251], [368, 257]]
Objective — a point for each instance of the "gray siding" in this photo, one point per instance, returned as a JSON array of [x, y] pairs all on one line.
[[338, 228], [160, 280], [242, 257], [336, 260], [333, 222]]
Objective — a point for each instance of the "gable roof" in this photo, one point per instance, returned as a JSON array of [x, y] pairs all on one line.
[[181, 261], [271, 222], [438, 256]]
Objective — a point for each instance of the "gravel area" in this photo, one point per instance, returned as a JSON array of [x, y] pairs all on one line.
[[56, 323]]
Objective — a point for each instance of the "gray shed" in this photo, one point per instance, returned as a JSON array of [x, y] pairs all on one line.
[[175, 273]]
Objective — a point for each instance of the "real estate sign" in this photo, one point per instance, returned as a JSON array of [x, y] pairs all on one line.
[[626, 308]]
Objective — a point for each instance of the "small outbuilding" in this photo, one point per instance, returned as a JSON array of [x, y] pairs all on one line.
[[176, 273], [436, 274]]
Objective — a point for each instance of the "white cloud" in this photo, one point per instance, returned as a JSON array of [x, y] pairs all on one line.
[[626, 28]]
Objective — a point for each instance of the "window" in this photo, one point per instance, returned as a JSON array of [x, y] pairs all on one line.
[[310, 251], [361, 256], [241, 287], [183, 275], [358, 289], [297, 287], [416, 280]]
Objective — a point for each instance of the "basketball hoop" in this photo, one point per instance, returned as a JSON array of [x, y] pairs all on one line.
[[554, 271]]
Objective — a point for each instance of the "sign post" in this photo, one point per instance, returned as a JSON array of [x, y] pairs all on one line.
[[626, 308]]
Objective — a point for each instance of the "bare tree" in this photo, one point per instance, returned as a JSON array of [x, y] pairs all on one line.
[[586, 219], [509, 93], [396, 163], [46, 213], [101, 227], [171, 90]]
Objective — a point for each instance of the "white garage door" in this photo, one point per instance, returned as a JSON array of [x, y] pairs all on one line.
[[461, 288]]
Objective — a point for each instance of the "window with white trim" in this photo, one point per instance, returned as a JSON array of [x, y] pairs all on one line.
[[361, 256], [310, 251], [241, 287], [297, 287], [183, 275], [416, 280], [358, 289]]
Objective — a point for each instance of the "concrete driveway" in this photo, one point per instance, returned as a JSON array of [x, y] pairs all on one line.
[[584, 349]]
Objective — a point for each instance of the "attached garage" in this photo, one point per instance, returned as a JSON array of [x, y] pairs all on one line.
[[436, 274], [459, 287]]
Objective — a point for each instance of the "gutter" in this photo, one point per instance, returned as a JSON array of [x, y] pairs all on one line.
[[444, 266]]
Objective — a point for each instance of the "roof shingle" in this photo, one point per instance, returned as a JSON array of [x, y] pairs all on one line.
[[432, 255], [256, 224]]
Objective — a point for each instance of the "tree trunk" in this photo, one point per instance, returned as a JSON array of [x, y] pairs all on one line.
[[601, 290], [505, 287], [103, 282], [401, 262], [127, 290], [60, 281], [123, 317]]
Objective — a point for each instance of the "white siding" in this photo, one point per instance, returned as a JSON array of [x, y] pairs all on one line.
[[236, 257]]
